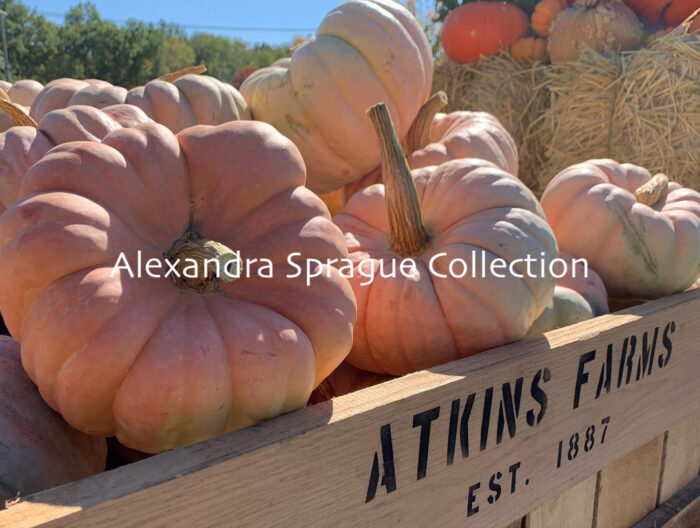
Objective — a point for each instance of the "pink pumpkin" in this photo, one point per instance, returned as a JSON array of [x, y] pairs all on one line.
[[22, 146], [38, 450], [641, 234], [462, 208]]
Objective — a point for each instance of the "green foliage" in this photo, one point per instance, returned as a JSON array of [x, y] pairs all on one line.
[[86, 46]]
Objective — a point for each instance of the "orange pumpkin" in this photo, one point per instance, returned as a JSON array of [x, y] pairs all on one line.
[[595, 24], [481, 29], [166, 359], [677, 11], [642, 234], [22, 146], [38, 450], [545, 12], [529, 49], [344, 380], [662, 13], [435, 138], [463, 209], [365, 51]]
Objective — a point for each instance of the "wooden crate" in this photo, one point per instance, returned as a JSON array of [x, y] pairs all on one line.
[[592, 425]]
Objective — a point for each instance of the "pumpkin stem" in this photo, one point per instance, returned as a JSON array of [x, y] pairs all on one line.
[[201, 263], [16, 114], [174, 76], [651, 191], [419, 133], [408, 236]]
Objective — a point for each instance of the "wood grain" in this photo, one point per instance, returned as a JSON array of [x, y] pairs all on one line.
[[314, 467], [627, 489], [681, 462], [682, 510], [572, 509]]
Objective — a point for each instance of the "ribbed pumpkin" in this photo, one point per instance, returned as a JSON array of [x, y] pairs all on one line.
[[178, 100], [594, 24], [435, 138], [545, 12], [22, 146], [529, 49], [182, 101], [344, 380], [38, 450], [481, 29], [365, 51], [165, 361], [640, 234], [578, 296], [414, 320], [22, 92], [64, 92]]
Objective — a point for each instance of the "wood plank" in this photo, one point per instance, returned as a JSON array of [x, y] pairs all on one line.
[[572, 509], [370, 459], [682, 510], [516, 524], [627, 489], [681, 462]]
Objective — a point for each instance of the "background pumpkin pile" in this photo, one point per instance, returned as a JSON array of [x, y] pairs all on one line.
[[187, 167]]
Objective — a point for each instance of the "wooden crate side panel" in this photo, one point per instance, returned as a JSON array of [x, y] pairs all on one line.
[[428, 449], [681, 462], [682, 510], [572, 509], [627, 489]]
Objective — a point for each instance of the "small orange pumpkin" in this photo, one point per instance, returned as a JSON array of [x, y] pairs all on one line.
[[480, 29], [529, 49], [38, 450], [545, 12], [415, 319]]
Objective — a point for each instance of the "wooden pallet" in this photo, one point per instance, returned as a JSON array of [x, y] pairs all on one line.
[[592, 425]]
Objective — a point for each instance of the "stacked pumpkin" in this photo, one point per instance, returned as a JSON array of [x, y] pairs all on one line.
[[558, 30], [186, 169]]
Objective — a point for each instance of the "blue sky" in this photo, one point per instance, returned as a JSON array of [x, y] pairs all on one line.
[[230, 13]]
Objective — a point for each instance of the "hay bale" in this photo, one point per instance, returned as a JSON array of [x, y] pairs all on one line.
[[514, 92], [640, 107]]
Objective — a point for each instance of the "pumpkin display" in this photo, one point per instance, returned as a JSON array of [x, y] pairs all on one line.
[[64, 92], [27, 142], [545, 12], [435, 138], [344, 380], [480, 29], [414, 311], [579, 295], [595, 24], [38, 450], [529, 49], [119, 343], [365, 51], [640, 234]]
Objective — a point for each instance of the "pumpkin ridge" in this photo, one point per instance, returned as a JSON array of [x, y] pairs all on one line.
[[438, 301], [635, 237]]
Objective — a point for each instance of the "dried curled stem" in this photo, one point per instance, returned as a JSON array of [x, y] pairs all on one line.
[[651, 191], [190, 70], [16, 114], [419, 133], [408, 236]]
